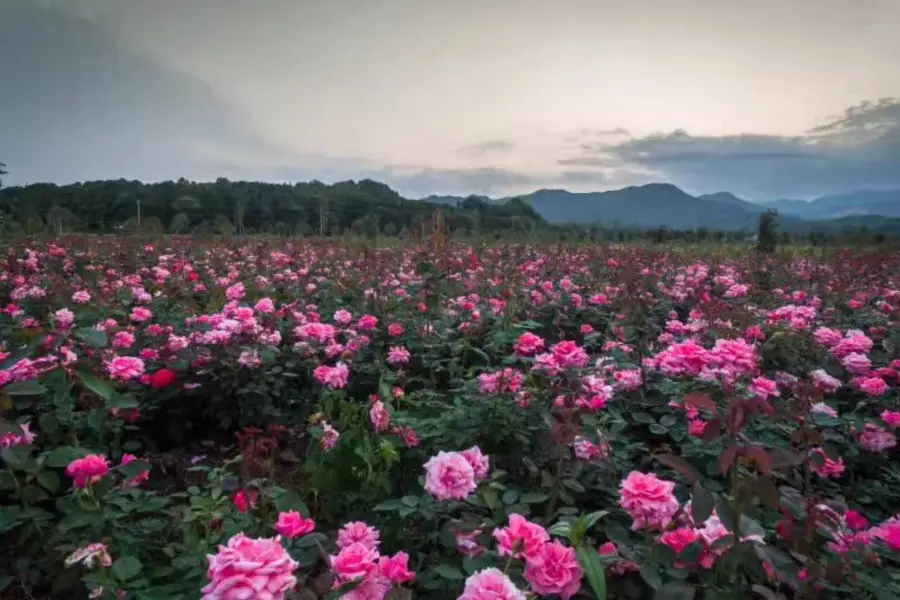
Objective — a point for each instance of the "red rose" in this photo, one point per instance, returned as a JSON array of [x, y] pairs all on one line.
[[162, 379]]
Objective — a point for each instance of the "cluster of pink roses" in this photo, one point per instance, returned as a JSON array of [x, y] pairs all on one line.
[[550, 566], [359, 560]]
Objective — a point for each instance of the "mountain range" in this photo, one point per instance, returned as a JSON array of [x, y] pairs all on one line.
[[665, 205]]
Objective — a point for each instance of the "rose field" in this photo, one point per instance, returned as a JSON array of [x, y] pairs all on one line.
[[262, 418]]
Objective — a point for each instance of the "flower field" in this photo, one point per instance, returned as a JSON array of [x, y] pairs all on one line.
[[269, 419]]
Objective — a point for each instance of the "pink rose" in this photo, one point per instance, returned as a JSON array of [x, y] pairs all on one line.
[[554, 569], [521, 538], [250, 568], [358, 532], [90, 469], [481, 464], [292, 524], [490, 584], [396, 568], [449, 476], [353, 562], [648, 499], [125, 367]]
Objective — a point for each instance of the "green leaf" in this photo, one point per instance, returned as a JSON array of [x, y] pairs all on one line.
[[573, 485], [675, 590], [490, 497], [561, 529], [594, 570], [702, 503], [49, 480], [510, 496], [533, 498], [127, 567], [62, 456], [16, 456], [390, 505], [49, 424], [410, 501], [92, 337], [122, 401], [102, 388], [449, 572], [24, 388], [591, 519], [288, 501], [309, 540], [651, 576]]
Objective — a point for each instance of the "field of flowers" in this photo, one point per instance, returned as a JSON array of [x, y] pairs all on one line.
[[268, 419]]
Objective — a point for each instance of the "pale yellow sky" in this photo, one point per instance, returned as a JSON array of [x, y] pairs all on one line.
[[417, 83], [399, 81]]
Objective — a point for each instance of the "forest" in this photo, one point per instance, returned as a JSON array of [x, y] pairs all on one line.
[[239, 207]]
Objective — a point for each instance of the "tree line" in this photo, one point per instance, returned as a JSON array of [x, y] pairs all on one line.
[[240, 207]]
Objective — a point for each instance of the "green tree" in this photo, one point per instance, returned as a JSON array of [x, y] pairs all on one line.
[[767, 235], [180, 223], [60, 219]]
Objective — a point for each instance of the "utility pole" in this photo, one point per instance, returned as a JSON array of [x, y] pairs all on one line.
[[138, 211], [322, 215]]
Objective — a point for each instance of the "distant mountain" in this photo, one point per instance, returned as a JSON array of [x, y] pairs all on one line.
[[885, 203], [732, 200], [665, 205], [451, 200], [647, 206]]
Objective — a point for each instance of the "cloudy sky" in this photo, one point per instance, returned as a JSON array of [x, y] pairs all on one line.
[[764, 98]]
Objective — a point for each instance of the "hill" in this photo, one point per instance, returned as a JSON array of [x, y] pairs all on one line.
[[885, 203], [658, 205]]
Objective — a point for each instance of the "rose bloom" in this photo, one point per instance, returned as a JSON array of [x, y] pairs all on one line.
[[585, 449], [529, 344], [891, 418], [829, 467], [481, 464], [246, 568], [291, 524], [856, 363], [823, 381], [648, 499], [679, 539], [823, 409], [449, 476], [396, 568], [125, 367], [379, 416], [90, 469], [265, 305], [353, 562], [521, 538], [872, 386], [398, 355], [554, 569], [358, 532], [162, 379], [491, 584]]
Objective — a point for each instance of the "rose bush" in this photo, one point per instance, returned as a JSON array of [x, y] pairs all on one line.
[[261, 419]]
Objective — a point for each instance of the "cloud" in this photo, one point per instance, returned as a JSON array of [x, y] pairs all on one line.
[[857, 150], [490, 147], [79, 105]]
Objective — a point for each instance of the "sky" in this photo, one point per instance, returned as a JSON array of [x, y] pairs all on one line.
[[764, 98]]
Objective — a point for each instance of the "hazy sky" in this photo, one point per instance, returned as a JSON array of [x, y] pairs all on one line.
[[760, 97]]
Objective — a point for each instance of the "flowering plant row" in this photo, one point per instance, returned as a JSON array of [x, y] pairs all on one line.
[[308, 420]]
